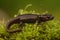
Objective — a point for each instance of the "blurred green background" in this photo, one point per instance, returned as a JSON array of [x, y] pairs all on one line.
[[12, 6], [50, 30]]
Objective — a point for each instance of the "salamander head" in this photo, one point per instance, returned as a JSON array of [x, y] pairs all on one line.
[[46, 17]]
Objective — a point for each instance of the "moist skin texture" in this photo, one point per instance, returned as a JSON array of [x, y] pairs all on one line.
[[27, 18]]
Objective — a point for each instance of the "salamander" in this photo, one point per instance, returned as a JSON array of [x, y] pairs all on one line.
[[28, 18]]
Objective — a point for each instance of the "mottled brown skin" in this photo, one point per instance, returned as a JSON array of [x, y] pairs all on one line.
[[27, 18]]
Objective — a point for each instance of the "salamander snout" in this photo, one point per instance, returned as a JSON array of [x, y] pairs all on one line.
[[49, 17], [46, 17]]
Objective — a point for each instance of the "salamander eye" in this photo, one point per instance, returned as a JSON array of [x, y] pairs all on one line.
[[48, 16]]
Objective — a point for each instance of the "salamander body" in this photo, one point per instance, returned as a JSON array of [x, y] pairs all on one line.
[[28, 18]]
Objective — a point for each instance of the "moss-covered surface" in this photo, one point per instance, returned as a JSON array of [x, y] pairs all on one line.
[[45, 31]]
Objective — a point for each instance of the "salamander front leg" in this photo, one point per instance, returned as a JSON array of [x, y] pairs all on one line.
[[20, 25]]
